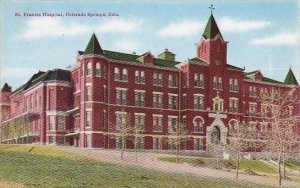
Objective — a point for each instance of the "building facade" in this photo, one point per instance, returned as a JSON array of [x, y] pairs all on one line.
[[84, 105]]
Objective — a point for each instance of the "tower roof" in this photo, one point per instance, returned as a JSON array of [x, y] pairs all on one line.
[[93, 46], [290, 78], [211, 29], [6, 88]]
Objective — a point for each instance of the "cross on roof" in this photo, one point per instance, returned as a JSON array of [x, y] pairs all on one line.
[[211, 7]]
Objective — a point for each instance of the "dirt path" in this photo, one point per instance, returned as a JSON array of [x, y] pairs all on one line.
[[150, 161]]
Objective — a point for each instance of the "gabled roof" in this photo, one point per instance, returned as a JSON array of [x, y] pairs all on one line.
[[234, 67], [290, 78], [199, 61], [211, 29], [6, 88], [250, 76], [93, 46]]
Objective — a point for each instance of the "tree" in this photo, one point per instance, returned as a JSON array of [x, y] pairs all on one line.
[[178, 135], [282, 138], [239, 137]]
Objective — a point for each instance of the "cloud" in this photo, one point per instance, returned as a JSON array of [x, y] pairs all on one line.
[[184, 28], [55, 27], [126, 45], [285, 38], [230, 25]]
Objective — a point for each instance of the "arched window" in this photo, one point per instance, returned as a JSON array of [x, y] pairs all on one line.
[[89, 69], [98, 69], [117, 73], [125, 75], [232, 125], [198, 124]]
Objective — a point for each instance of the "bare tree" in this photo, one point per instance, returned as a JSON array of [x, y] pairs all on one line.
[[239, 137], [122, 131], [178, 134], [282, 139]]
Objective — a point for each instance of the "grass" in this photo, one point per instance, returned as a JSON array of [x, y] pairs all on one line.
[[254, 165], [293, 165], [49, 167]]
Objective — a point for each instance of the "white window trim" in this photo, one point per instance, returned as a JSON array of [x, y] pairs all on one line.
[[139, 114], [119, 88], [169, 116], [173, 94], [119, 112], [156, 92], [140, 91], [157, 115]]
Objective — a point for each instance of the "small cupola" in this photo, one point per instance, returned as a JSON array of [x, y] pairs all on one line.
[[167, 55]]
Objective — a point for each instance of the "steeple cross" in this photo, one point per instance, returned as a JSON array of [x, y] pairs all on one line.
[[211, 7]]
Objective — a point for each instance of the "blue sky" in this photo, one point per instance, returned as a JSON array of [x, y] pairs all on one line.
[[261, 34]]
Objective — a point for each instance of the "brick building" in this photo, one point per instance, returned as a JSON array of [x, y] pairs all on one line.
[[104, 89]]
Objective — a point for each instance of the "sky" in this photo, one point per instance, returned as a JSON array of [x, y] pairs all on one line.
[[262, 35]]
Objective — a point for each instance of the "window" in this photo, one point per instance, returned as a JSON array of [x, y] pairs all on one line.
[[88, 119], [173, 101], [88, 140], [139, 97], [98, 69], [290, 110], [263, 127], [232, 125], [51, 139], [233, 85], [233, 105], [252, 90], [125, 75], [198, 125], [198, 102], [198, 80], [51, 123], [61, 139], [172, 81], [218, 104], [184, 122], [217, 82], [252, 109], [184, 101], [220, 83], [117, 74], [121, 96], [121, 120], [89, 69], [198, 144], [172, 123], [88, 96], [172, 145], [61, 123], [157, 100], [139, 122], [263, 110], [139, 77], [157, 143], [157, 79], [157, 123], [139, 142]]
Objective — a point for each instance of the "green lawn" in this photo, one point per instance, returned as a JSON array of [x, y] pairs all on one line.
[[50, 167], [254, 165], [293, 165]]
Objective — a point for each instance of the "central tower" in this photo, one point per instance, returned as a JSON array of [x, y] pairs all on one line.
[[212, 48]]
